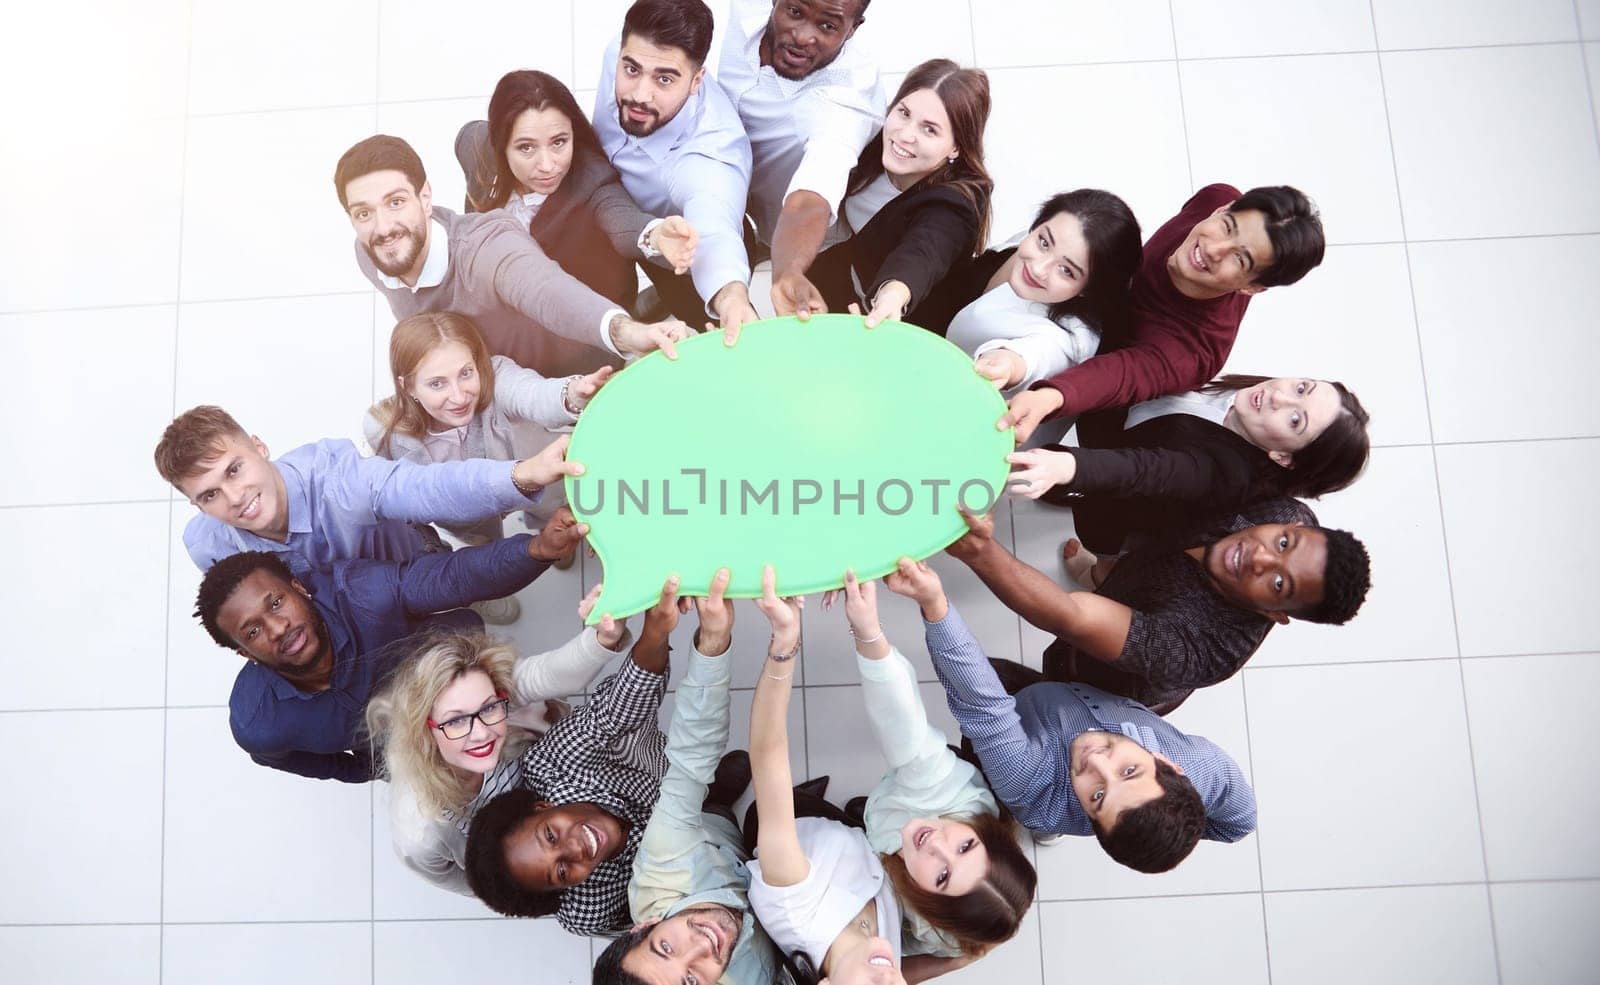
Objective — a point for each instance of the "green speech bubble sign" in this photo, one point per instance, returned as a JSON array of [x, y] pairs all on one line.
[[811, 446]]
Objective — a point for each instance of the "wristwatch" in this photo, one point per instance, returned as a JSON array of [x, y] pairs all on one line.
[[649, 251]]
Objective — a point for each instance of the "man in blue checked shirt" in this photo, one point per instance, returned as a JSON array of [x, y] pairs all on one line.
[[319, 644], [1072, 759]]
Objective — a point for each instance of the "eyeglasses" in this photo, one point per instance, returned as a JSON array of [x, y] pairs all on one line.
[[460, 727]]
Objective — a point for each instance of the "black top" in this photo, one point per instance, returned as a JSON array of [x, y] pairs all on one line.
[[1168, 473], [1184, 634], [967, 281], [590, 225], [915, 239]]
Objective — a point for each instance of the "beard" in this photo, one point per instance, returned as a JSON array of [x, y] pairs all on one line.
[[406, 241], [633, 129]]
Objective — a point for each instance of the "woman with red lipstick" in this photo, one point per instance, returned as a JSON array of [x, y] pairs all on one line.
[[917, 201], [937, 872], [1239, 440], [451, 727], [538, 158], [454, 401]]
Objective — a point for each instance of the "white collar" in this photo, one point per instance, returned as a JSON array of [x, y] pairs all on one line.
[[434, 267]]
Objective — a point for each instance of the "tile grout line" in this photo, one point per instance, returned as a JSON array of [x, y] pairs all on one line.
[[1183, 109], [1588, 76], [1438, 489], [166, 649], [1261, 868]]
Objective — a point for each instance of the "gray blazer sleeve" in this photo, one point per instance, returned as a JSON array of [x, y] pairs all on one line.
[[524, 395]]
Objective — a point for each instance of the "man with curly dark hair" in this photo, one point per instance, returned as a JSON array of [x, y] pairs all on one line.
[[1187, 610], [318, 644]]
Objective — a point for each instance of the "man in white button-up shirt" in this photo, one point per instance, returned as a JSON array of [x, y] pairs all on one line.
[[672, 134], [810, 101]]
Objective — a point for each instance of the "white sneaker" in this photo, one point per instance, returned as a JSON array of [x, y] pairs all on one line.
[[499, 612], [1045, 839]]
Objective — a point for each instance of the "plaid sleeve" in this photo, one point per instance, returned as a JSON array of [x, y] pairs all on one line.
[[624, 701]]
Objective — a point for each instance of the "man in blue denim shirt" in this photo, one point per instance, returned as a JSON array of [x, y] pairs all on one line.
[[320, 644], [323, 502]]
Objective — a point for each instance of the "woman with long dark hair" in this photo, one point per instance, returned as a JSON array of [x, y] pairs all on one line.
[[917, 200], [538, 157], [1186, 457]]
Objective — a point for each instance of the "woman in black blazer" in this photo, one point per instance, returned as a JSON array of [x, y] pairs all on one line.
[[537, 142], [1185, 457], [918, 198]]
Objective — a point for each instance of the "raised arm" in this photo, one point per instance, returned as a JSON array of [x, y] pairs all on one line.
[[632, 696], [573, 665], [696, 740], [435, 582], [713, 193], [1194, 474], [449, 492], [783, 863], [1012, 760], [524, 394], [888, 681], [1096, 625]]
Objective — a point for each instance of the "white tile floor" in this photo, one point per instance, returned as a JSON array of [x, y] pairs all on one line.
[[1426, 775]]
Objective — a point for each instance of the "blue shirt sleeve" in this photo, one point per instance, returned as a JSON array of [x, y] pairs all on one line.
[[447, 492], [988, 716], [431, 583]]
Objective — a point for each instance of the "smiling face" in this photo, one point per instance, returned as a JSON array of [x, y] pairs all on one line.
[[805, 35], [479, 750], [241, 488], [917, 139], [943, 855], [1282, 416], [1274, 569], [557, 847], [858, 960], [539, 150], [275, 624], [1051, 264], [653, 83], [446, 384], [1223, 253], [1111, 773], [692, 947], [391, 221]]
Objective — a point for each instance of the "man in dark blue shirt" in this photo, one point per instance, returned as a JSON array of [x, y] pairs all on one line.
[[320, 646]]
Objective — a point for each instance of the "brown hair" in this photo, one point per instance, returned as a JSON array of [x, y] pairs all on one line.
[[991, 912], [965, 95], [193, 437], [1333, 459], [410, 342], [379, 152], [516, 93]]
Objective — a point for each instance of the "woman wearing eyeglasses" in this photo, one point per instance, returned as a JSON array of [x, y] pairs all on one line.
[[450, 725]]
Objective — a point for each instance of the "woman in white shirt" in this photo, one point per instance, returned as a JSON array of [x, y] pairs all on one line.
[[946, 888], [452, 724], [1041, 303]]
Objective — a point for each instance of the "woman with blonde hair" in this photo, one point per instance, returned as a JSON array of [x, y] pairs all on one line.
[[451, 726]]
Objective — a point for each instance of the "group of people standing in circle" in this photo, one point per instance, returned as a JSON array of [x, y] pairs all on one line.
[[364, 630]]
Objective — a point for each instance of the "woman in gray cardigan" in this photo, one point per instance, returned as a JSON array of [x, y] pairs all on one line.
[[453, 401], [538, 158]]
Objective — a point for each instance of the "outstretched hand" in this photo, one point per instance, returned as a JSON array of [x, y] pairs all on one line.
[[918, 581], [793, 294], [609, 630], [558, 538], [1042, 470], [547, 467], [861, 609], [716, 616], [583, 388], [650, 652], [1028, 409], [782, 613], [977, 541], [675, 239]]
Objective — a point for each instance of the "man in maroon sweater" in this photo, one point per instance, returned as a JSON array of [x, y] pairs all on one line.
[[1199, 272]]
